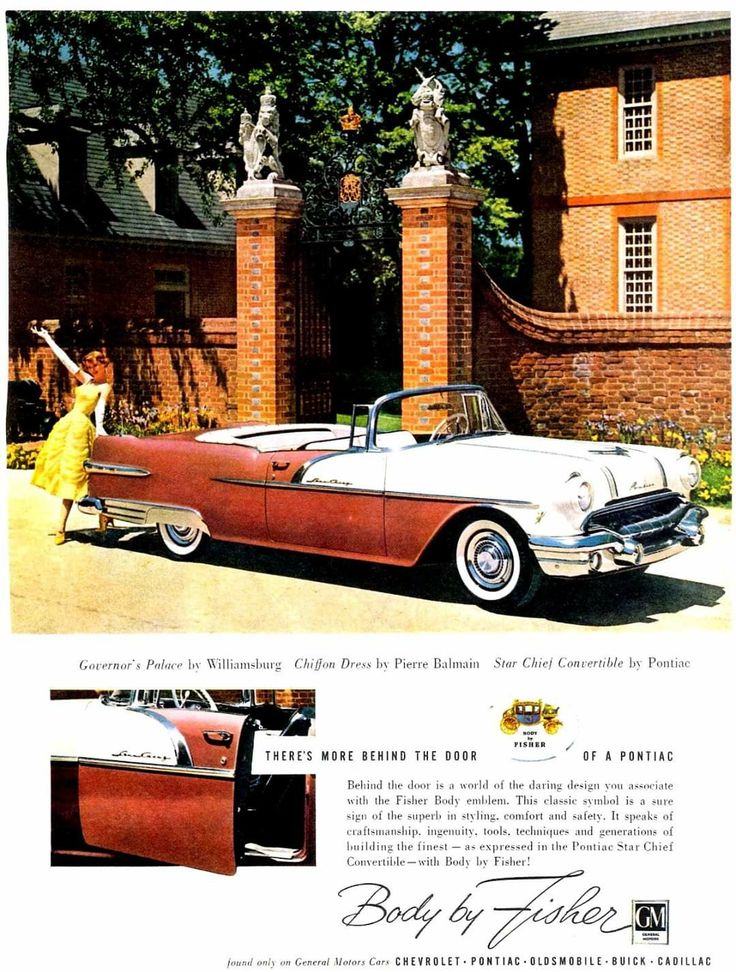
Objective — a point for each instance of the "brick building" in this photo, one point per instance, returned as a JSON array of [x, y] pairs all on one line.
[[631, 165], [83, 247], [630, 217], [630, 203], [140, 266]]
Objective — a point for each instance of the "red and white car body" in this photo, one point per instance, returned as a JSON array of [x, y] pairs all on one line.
[[416, 473], [166, 775]]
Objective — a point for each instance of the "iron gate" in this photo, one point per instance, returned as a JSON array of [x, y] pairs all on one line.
[[348, 314]]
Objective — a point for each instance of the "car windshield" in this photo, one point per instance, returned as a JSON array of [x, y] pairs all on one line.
[[159, 698], [119, 697], [439, 414]]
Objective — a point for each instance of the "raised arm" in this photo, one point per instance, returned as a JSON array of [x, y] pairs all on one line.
[[71, 366]]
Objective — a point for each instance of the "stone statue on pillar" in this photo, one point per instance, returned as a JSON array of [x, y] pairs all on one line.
[[429, 123], [261, 141]]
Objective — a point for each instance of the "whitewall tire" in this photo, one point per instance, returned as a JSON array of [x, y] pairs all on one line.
[[494, 565], [182, 541]]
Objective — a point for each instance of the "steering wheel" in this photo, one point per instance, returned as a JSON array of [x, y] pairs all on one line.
[[455, 424], [190, 701]]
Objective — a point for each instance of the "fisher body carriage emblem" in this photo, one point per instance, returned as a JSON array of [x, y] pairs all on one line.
[[533, 730], [530, 714]]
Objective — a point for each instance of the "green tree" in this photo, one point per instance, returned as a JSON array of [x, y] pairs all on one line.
[[170, 87]]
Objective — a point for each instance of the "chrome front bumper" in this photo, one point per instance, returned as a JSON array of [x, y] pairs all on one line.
[[605, 551]]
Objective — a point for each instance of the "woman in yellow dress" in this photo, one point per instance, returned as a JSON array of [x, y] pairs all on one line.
[[60, 464]]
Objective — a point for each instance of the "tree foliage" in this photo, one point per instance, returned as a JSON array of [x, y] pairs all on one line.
[[170, 87]]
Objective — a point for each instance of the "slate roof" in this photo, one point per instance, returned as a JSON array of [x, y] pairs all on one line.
[[109, 211], [578, 28]]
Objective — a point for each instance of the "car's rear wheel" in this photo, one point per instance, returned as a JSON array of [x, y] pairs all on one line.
[[495, 565], [182, 541]]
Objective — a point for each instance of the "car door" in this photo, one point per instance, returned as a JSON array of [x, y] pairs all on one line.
[[232, 496], [329, 502], [161, 784]]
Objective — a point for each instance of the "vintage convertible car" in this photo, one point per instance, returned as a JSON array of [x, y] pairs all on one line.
[[420, 473], [167, 775]]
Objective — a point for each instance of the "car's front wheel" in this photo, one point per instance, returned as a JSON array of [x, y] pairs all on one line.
[[182, 541], [495, 565]]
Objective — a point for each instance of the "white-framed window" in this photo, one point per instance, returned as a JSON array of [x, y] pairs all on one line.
[[171, 294], [637, 111], [638, 263]]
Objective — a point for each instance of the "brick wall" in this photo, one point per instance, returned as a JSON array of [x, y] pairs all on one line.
[[167, 367], [581, 188], [547, 373], [121, 277], [693, 265], [288, 698]]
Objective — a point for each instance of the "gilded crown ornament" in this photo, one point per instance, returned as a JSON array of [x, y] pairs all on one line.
[[350, 121]]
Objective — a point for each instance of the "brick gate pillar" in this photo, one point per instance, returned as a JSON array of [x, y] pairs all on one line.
[[437, 238], [266, 230]]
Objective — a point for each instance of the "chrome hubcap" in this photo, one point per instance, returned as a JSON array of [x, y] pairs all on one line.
[[490, 561], [182, 536]]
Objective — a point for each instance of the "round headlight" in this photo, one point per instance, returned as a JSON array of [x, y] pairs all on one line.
[[689, 469], [584, 496]]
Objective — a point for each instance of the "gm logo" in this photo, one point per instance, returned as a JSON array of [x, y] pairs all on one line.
[[650, 922]]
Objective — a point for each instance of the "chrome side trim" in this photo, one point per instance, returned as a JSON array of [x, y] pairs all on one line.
[[474, 500], [354, 491], [189, 771], [238, 482], [112, 469], [325, 487], [422, 497]]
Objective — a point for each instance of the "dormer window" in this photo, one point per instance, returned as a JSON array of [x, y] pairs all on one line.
[[166, 190], [72, 168]]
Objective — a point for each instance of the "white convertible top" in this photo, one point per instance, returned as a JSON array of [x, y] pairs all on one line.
[[283, 438], [273, 438]]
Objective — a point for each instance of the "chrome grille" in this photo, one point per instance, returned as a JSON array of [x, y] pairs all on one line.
[[647, 518]]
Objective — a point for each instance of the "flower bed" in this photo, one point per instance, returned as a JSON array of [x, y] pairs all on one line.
[[121, 418], [714, 458]]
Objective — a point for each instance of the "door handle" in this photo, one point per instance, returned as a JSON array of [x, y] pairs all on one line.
[[218, 737], [280, 465]]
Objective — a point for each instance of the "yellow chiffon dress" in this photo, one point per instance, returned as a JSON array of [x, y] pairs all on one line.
[[60, 463]]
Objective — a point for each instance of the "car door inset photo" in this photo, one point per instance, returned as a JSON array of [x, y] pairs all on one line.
[[194, 777]]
